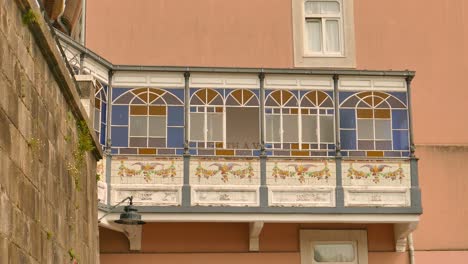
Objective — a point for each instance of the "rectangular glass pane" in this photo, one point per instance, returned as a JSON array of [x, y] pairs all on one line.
[[321, 7], [309, 128], [330, 7], [273, 128], [312, 7], [327, 130], [97, 119], [365, 129], [290, 128], [196, 126], [214, 125], [334, 253], [242, 127], [383, 129], [332, 36], [138, 126], [314, 35], [157, 126]]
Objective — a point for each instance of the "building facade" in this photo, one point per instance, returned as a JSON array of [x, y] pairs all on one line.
[[284, 131]]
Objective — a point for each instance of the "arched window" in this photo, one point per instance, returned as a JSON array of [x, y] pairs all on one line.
[[100, 104], [147, 119], [305, 126], [206, 118], [281, 118], [242, 120], [374, 123], [317, 119]]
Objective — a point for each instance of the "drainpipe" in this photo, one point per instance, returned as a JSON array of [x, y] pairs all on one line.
[[83, 23], [59, 18], [411, 249]]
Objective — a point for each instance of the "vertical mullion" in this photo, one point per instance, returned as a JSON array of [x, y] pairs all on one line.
[[205, 126], [299, 125], [324, 35], [224, 126]]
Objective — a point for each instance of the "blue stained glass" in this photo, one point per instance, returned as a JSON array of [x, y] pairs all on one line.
[[330, 112], [400, 140], [267, 92], [268, 146], [119, 115], [256, 92], [401, 96], [192, 151], [175, 116], [347, 118], [114, 151], [399, 119], [344, 95], [175, 137], [192, 91], [179, 151], [226, 91], [103, 112], [102, 137], [257, 152], [330, 93], [193, 144], [119, 136], [116, 92], [268, 110], [179, 93], [348, 139], [331, 153], [295, 92], [344, 153], [269, 153], [405, 154]]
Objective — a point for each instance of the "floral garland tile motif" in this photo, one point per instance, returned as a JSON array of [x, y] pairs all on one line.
[[377, 172], [300, 173], [147, 170], [225, 170]]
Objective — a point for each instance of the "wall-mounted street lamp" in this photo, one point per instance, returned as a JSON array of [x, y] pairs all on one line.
[[130, 216]]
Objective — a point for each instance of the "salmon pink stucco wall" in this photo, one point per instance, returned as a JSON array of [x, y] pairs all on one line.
[[429, 37], [187, 32]]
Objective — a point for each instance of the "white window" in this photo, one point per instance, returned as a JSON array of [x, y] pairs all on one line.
[[323, 33], [323, 28], [333, 246]]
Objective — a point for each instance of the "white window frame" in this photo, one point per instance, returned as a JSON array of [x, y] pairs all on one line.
[[303, 58], [309, 238], [323, 18]]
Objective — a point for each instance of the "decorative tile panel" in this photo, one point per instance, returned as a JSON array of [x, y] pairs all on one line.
[[301, 183], [152, 181], [375, 173], [224, 171], [377, 183], [147, 195], [302, 196], [140, 170], [225, 182], [225, 195]]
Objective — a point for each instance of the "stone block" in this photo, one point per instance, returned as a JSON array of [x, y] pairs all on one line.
[[6, 218], [5, 137], [3, 246]]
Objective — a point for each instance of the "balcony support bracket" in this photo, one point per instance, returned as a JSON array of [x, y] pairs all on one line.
[[132, 232], [401, 232], [255, 228]]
